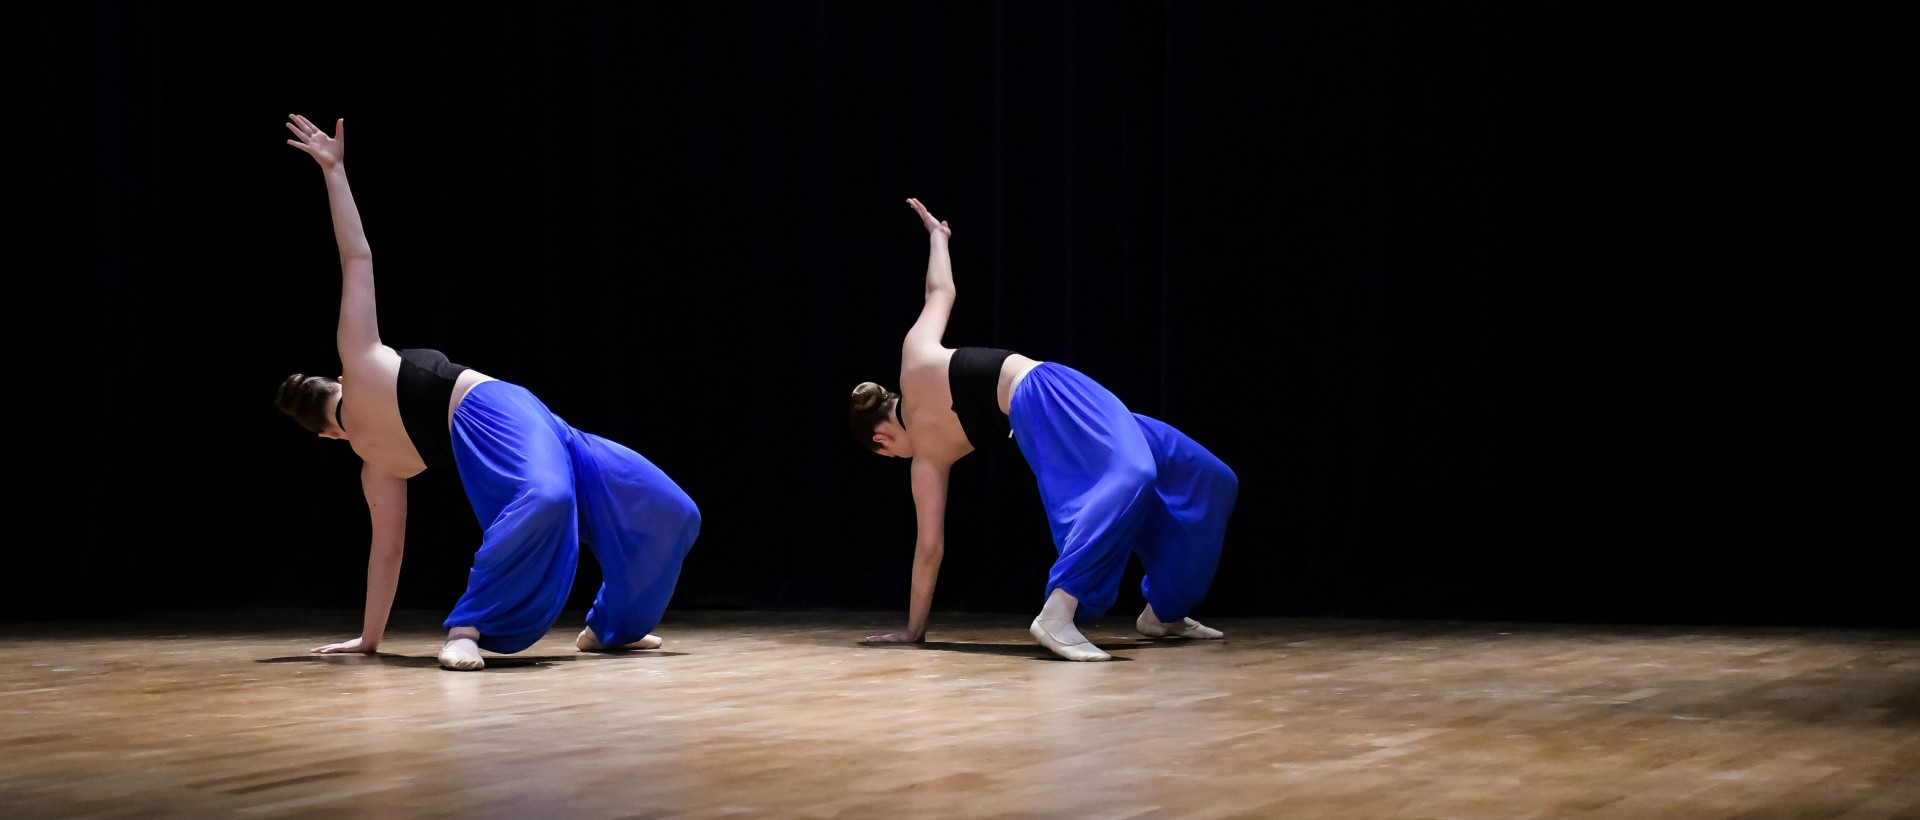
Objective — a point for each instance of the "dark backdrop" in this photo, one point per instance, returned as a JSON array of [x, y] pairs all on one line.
[[1564, 311]]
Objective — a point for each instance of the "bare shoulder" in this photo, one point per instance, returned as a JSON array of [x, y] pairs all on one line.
[[373, 361], [925, 357], [371, 374], [923, 372]]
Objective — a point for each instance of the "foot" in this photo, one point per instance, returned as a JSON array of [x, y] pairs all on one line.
[[589, 642], [1065, 640], [1153, 627], [461, 655]]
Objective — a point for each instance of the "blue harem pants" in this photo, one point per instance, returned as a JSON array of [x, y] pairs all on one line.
[[1116, 482], [540, 487]]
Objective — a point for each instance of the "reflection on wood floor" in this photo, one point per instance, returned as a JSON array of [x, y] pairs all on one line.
[[786, 715]]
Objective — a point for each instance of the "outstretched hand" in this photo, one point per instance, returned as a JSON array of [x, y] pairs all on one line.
[[328, 151], [935, 227]]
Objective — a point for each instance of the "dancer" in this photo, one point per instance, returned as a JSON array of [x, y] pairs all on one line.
[[1113, 482], [538, 486]]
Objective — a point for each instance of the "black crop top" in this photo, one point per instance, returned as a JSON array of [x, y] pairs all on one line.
[[973, 376], [424, 389]]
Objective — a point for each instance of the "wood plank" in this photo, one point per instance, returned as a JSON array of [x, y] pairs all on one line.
[[787, 715]]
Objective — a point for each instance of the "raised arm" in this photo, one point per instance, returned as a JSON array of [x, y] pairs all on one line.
[[932, 324], [359, 329], [930, 510], [387, 507]]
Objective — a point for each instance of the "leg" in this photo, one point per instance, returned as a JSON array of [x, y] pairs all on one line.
[[639, 524], [1096, 477], [1054, 629], [1182, 548], [512, 455]]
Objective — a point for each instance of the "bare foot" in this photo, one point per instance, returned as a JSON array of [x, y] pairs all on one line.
[[461, 655], [1151, 626], [589, 642], [1065, 640]]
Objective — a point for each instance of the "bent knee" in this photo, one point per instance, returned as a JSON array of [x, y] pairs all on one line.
[[1137, 477], [547, 502]]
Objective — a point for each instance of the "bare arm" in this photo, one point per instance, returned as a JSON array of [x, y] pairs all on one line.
[[932, 324], [359, 328], [930, 509], [387, 507]]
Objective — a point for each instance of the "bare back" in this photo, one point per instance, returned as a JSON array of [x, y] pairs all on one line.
[[926, 396], [370, 411]]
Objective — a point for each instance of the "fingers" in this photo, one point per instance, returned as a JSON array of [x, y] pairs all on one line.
[[926, 217], [306, 137], [340, 128], [307, 130]]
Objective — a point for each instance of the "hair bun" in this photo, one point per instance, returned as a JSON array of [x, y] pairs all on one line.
[[868, 396]]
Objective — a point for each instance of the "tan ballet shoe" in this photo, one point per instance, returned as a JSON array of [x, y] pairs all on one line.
[[589, 642]]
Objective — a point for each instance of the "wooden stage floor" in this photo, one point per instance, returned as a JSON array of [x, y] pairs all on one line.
[[785, 715]]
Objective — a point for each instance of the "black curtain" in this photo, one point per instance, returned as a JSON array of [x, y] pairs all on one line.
[[1576, 312]]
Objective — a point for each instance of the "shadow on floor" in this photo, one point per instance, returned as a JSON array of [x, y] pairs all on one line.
[[504, 663], [1029, 649]]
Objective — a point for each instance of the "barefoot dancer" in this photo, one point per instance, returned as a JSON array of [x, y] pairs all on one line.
[[538, 486], [1113, 481]]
